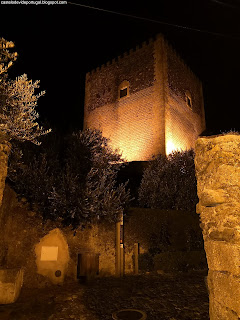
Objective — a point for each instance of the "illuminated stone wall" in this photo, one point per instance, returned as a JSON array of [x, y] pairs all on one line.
[[130, 121], [217, 165], [129, 126], [154, 117], [184, 121], [182, 125]]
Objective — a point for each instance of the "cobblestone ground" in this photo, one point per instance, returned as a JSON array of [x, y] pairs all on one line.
[[162, 297]]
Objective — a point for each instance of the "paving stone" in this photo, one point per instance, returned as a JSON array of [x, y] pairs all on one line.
[[179, 297]]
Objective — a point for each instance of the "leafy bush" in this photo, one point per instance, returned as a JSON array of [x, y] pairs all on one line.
[[170, 182], [73, 179]]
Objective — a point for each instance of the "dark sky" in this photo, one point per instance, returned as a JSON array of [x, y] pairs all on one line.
[[58, 44]]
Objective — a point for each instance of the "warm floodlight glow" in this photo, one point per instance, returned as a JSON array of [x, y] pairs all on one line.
[[140, 107], [133, 147], [170, 147]]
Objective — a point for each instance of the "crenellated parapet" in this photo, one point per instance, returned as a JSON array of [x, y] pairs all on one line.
[[170, 49], [173, 51], [121, 57]]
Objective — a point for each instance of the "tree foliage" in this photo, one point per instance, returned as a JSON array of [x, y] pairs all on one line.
[[18, 102], [170, 182], [76, 182], [6, 57]]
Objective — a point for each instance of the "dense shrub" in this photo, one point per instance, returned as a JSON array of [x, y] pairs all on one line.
[[170, 182], [73, 179]]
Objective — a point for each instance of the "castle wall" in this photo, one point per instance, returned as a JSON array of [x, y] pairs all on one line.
[[160, 94], [102, 84], [136, 136], [183, 123], [154, 117], [23, 233], [105, 119], [130, 122]]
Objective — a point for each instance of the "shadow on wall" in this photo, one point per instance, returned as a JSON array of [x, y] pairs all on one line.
[[133, 173], [169, 240]]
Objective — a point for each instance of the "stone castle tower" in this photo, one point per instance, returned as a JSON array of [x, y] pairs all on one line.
[[147, 101]]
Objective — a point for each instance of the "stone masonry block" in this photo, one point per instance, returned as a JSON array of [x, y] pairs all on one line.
[[219, 312], [213, 197], [217, 164], [222, 256], [225, 289], [11, 281]]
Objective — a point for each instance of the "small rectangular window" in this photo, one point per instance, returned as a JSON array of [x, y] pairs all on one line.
[[123, 92], [188, 100]]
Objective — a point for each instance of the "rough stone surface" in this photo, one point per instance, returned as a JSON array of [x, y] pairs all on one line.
[[225, 288], [217, 165], [219, 312], [11, 281], [223, 256], [23, 230]]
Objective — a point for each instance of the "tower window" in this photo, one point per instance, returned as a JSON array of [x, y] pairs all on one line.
[[123, 90], [188, 100]]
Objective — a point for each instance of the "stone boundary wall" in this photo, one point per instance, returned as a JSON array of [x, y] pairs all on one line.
[[23, 231], [24, 234], [217, 165], [167, 231]]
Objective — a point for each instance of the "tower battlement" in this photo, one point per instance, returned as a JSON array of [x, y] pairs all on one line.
[[136, 49], [121, 56]]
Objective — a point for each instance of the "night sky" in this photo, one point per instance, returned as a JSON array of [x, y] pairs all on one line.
[[58, 44]]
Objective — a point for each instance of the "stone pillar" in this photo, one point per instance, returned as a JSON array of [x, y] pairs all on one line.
[[217, 164], [5, 148]]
